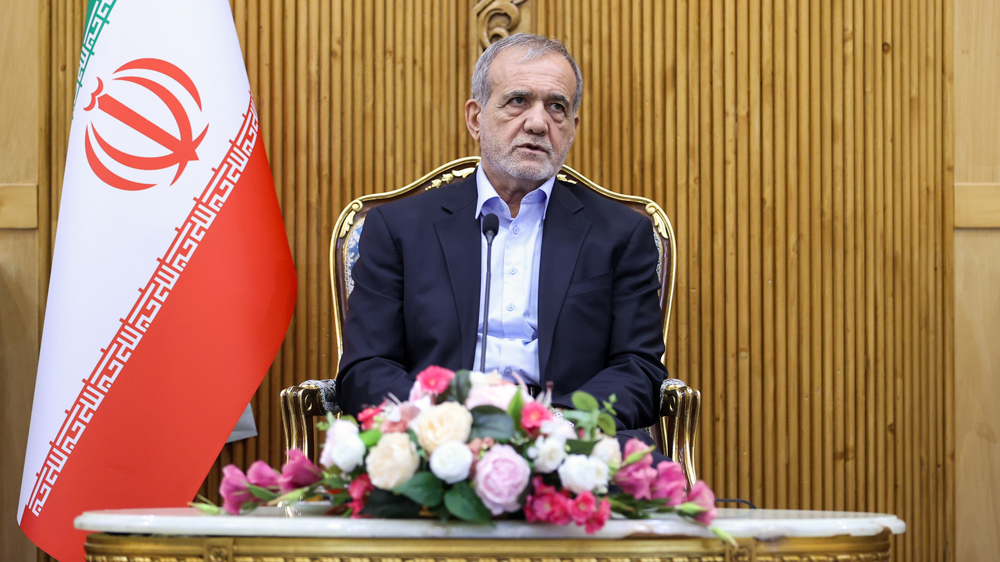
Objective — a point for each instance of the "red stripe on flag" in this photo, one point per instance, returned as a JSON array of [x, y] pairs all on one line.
[[156, 432]]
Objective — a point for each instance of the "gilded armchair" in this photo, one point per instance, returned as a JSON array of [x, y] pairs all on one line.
[[680, 404]]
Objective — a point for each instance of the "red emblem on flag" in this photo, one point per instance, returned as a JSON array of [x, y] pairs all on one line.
[[176, 135]]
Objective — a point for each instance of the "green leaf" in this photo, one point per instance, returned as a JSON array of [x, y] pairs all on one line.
[[340, 498], [463, 503], [332, 482], [690, 509], [248, 506], [515, 407], [580, 446], [424, 488], [490, 421], [580, 417], [624, 508], [609, 405], [724, 536], [370, 437], [584, 401], [293, 496], [607, 424], [390, 506], [261, 493], [459, 388], [206, 507], [583, 420], [441, 510]]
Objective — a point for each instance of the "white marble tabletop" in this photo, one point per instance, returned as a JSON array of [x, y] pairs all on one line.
[[306, 521]]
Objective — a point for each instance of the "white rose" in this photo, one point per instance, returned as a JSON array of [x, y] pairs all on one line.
[[392, 461], [449, 421], [451, 461], [560, 427], [499, 396], [580, 473], [343, 448], [548, 453], [609, 451], [479, 379]]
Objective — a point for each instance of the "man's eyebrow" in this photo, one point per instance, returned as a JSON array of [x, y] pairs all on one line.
[[559, 97], [517, 94]]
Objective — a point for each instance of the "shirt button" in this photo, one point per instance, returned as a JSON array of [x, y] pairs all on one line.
[[510, 306], [512, 270], [508, 371], [516, 230]]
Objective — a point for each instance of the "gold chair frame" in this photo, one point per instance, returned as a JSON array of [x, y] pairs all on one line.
[[680, 405]]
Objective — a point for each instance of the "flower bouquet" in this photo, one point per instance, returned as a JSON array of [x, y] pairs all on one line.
[[473, 446]]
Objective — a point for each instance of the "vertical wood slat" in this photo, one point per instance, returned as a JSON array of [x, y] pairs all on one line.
[[802, 149]]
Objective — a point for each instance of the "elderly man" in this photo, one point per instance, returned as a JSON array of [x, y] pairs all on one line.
[[574, 292]]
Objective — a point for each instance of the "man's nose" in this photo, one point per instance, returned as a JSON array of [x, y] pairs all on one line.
[[536, 120]]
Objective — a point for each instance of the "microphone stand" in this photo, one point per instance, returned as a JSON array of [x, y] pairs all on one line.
[[491, 224]]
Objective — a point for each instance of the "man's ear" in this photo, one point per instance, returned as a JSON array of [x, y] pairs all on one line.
[[472, 112]]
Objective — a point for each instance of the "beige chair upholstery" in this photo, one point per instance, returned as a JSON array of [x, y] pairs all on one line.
[[680, 405]]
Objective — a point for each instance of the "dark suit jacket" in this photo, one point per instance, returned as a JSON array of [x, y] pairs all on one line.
[[415, 301]]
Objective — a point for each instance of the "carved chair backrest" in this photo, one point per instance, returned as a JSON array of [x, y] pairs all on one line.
[[344, 251]]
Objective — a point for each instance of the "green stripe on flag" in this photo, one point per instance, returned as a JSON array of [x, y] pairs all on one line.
[[98, 16]]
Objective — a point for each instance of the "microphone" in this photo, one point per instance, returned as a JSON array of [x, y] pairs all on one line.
[[491, 224]]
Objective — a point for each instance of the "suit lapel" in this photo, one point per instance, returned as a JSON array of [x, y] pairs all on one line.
[[563, 234], [459, 235]]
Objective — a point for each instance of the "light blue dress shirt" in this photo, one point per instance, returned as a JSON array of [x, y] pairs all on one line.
[[512, 342]]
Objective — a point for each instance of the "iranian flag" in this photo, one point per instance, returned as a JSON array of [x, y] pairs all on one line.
[[172, 282]]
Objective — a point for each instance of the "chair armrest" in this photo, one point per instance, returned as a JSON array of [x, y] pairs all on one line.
[[299, 407], [680, 411]]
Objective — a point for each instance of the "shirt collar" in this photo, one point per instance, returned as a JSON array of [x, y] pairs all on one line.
[[486, 192]]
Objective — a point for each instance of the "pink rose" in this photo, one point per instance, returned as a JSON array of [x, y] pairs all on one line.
[[433, 380], [599, 518], [367, 417], [702, 496], [261, 474], [298, 472], [533, 415], [547, 505], [636, 478], [670, 483], [498, 396], [359, 489], [583, 507], [634, 446], [501, 476], [233, 489]]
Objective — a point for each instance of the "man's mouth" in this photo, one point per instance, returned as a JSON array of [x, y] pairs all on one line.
[[535, 148]]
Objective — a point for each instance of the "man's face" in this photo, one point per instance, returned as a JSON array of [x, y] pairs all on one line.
[[528, 124]]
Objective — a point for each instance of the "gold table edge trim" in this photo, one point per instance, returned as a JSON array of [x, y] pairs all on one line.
[[104, 547]]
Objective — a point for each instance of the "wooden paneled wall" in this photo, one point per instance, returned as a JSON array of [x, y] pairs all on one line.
[[802, 149]]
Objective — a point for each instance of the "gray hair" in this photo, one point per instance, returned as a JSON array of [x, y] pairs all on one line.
[[534, 46]]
